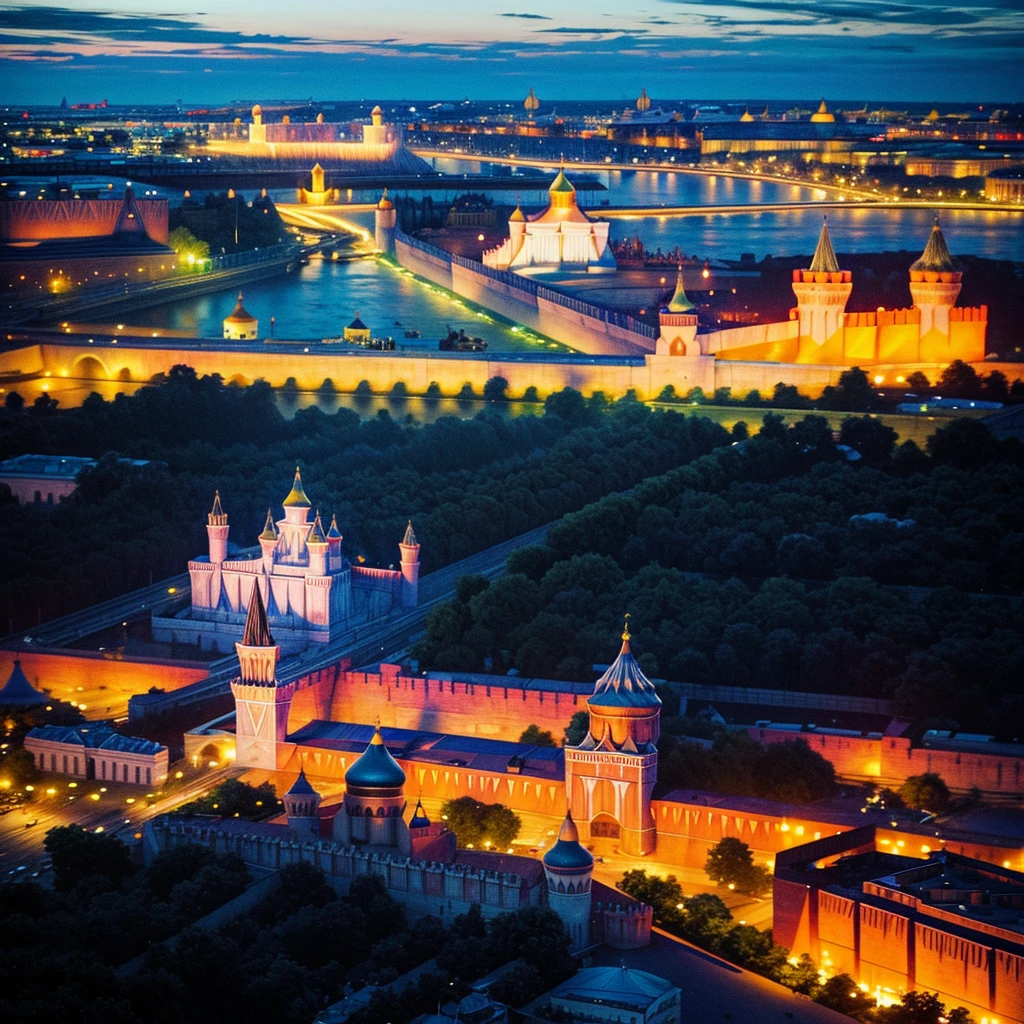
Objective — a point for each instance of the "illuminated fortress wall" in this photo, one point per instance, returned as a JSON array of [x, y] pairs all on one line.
[[37, 220]]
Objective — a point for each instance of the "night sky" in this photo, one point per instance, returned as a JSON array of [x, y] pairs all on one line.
[[870, 50]]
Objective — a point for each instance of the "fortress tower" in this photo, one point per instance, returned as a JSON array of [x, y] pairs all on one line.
[[822, 292], [385, 219], [301, 803], [217, 530], [568, 869], [935, 284], [371, 814], [410, 548], [609, 777], [678, 322], [261, 703]]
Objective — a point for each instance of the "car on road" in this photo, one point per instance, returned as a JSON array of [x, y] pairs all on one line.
[[30, 824]]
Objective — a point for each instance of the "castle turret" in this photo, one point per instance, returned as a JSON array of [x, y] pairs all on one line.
[[241, 325], [301, 803], [334, 546], [317, 546], [385, 219], [268, 542], [823, 115], [317, 176], [822, 292], [217, 530], [374, 804], [410, 549], [569, 869], [610, 775], [678, 322], [935, 283], [261, 703]]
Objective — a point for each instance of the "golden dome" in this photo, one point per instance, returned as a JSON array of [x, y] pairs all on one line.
[[385, 203], [257, 111], [241, 315]]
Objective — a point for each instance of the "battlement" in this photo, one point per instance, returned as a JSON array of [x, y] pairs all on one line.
[[883, 317], [969, 314], [936, 276], [822, 277]]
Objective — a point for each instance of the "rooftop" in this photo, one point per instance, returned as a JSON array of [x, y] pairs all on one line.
[[58, 467], [619, 987]]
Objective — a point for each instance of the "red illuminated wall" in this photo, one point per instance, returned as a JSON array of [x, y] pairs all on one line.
[[39, 219]]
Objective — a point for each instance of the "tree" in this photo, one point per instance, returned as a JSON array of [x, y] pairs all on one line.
[[853, 392], [794, 773], [185, 244], [577, 728], [77, 855], [234, 798], [663, 895], [963, 443], [14, 402], [476, 824], [730, 862], [959, 380], [496, 389], [925, 792], [871, 437], [917, 381], [840, 993], [537, 737], [568, 405], [920, 1008], [773, 427]]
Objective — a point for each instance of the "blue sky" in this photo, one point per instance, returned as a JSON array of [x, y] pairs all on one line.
[[576, 49]]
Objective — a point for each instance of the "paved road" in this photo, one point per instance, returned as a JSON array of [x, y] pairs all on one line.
[[91, 804]]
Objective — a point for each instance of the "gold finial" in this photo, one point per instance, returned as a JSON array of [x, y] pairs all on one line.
[[625, 629]]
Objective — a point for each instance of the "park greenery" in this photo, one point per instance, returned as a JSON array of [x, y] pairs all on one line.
[[925, 792], [480, 826], [730, 863], [465, 484], [778, 562], [284, 959], [236, 799], [706, 921]]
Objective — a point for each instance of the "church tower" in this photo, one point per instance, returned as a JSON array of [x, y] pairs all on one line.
[[261, 703], [678, 322], [609, 777], [385, 219], [217, 530], [568, 869], [935, 283], [410, 548], [822, 292]]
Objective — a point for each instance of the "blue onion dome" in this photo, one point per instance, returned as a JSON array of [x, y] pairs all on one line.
[[419, 817], [624, 684], [567, 854], [375, 768]]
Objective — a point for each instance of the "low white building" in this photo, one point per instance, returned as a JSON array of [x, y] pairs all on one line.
[[97, 752], [618, 995]]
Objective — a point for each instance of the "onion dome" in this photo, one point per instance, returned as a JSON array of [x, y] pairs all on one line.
[[568, 854], [410, 537], [18, 692], [824, 261], [643, 102], [531, 103], [269, 529], [419, 817], [746, 117], [257, 111], [297, 495], [257, 629], [316, 535], [376, 768], [561, 183], [680, 301], [217, 516], [301, 786], [823, 116], [936, 255], [241, 315], [624, 685], [334, 533], [377, 112], [385, 203]]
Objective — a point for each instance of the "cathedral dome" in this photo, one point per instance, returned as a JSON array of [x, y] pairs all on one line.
[[385, 203], [568, 854], [561, 183], [375, 768]]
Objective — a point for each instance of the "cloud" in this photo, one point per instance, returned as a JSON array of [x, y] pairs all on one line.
[[529, 17]]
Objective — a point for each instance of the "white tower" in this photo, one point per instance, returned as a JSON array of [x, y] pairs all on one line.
[[301, 803], [568, 869], [678, 322], [935, 283], [217, 531], [822, 292], [261, 703], [385, 219], [410, 548]]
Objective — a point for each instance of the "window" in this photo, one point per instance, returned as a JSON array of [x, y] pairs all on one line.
[[65, 764], [126, 773], [76, 766], [149, 776], [137, 775], [53, 762], [42, 762], [103, 769]]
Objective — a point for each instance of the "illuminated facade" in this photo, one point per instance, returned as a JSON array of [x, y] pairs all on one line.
[[309, 588], [562, 237]]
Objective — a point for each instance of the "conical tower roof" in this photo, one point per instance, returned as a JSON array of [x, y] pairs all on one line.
[[301, 786], [241, 315], [623, 684], [269, 529], [334, 533], [517, 214], [419, 817], [561, 183], [936, 255], [410, 537], [129, 220], [568, 854], [680, 301], [316, 535], [824, 261], [257, 629], [375, 768], [18, 692], [217, 516], [297, 495]]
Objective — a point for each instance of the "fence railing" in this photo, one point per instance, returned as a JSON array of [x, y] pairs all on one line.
[[534, 288]]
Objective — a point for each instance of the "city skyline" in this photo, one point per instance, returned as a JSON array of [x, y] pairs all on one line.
[[879, 50]]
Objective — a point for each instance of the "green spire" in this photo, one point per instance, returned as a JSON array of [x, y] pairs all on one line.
[[561, 183], [410, 538], [297, 495], [936, 255], [824, 261], [269, 529], [680, 301], [316, 535]]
